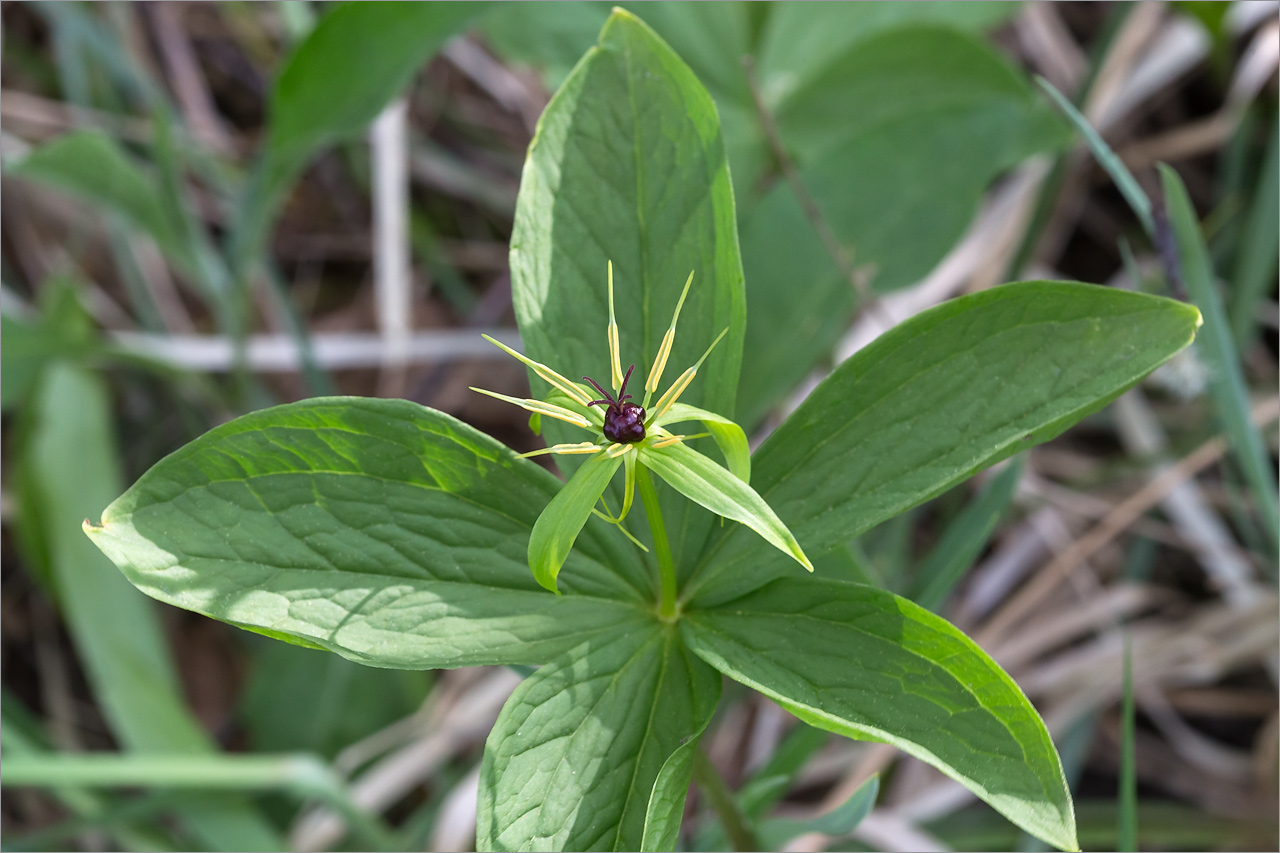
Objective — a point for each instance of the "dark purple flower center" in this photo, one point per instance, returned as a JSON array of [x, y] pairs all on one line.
[[623, 421]]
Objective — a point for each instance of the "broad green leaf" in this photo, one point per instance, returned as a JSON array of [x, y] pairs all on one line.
[[392, 534], [561, 522], [727, 434], [628, 165], [666, 803], [936, 399], [897, 140], [1226, 383], [872, 666], [93, 167], [706, 483], [574, 756], [804, 39], [71, 466], [359, 57]]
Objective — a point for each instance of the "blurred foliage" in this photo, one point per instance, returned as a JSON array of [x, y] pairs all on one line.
[[898, 117]]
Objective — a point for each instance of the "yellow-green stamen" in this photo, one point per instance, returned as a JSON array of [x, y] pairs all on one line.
[[569, 389], [664, 350], [564, 449], [667, 400], [548, 409], [615, 348]]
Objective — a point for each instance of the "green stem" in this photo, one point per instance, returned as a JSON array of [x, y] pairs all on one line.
[[666, 566], [724, 802]]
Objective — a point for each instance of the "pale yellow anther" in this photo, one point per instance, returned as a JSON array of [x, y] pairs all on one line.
[[615, 347], [549, 409], [667, 442], [565, 449], [615, 450], [569, 389], [664, 350], [667, 400]]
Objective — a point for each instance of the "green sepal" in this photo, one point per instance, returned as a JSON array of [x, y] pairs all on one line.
[[706, 483], [728, 435], [561, 522]]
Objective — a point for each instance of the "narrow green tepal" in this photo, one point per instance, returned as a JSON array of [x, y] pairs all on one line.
[[561, 522]]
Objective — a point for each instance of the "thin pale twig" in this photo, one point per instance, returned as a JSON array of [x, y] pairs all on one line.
[[1116, 522]]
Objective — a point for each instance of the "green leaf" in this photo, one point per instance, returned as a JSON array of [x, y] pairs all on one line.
[[703, 481], [71, 466], [804, 39], [936, 399], [1226, 383], [896, 140], [359, 57], [576, 752], [727, 434], [92, 167], [872, 666], [666, 802], [628, 165], [391, 534], [561, 522]]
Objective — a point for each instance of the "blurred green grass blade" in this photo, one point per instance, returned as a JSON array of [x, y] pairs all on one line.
[[93, 167], [776, 833], [302, 775], [359, 57], [1164, 826], [27, 346], [80, 36], [1226, 383], [22, 736], [318, 380], [120, 817], [1255, 266], [964, 539], [71, 469], [762, 790], [1127, 833], [1106, 158]]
